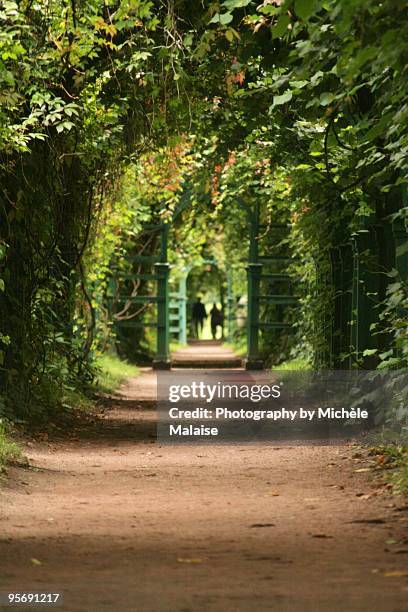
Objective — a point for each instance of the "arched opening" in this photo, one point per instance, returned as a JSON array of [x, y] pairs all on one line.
[[205, 284]]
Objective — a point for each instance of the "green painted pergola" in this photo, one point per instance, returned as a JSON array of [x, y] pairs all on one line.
[[172, 307]]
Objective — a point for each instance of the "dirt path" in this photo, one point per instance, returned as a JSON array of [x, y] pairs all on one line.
[[206, 353], [116, 521]]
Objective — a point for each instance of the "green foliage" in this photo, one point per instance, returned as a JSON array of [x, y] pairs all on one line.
[[9, 451], [113, 371], [113, 240], [393, 458], [113, 115], [297, 365], [85, 87], [335, 74], [393, 320]]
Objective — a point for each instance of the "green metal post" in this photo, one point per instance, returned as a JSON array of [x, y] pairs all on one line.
[[363, 306], [162, 358], [162, 271], [342, 279], [254, 270], [230, 308], [183, 309], [253, 360]]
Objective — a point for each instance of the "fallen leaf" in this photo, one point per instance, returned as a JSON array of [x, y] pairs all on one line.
[[396, 574], [363, 470], [35, 561]]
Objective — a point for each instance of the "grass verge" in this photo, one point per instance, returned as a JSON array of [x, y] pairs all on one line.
[[298, 364], [9, 451], [393, 458], [239, 347], [174, 346], [113, 371]]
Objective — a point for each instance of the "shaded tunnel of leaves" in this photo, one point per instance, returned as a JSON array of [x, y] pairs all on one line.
[[110, 113]]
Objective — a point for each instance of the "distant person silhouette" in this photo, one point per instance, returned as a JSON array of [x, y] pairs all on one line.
[[199, 314], [216, 320]]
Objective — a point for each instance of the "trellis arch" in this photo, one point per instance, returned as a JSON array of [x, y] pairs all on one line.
[[171, 307]]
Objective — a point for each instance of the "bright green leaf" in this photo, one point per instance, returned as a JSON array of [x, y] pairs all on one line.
[[326, 98], [222, 18], [234, 4], [281, 26], [282, 99]]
